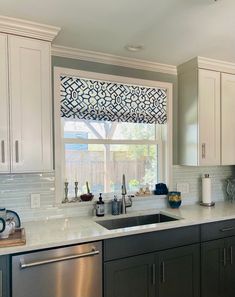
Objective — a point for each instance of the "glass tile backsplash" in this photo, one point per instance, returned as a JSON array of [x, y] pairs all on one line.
[[15, 192]]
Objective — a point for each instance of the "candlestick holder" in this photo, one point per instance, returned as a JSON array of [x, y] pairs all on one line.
[[66, 192], [76, 191]]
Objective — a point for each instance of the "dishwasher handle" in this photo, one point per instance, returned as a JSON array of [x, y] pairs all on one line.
[[24, 265]]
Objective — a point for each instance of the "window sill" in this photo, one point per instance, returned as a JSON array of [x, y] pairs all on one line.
[[108, 199]]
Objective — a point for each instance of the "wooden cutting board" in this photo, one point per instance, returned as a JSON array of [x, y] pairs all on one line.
[[18, 238]]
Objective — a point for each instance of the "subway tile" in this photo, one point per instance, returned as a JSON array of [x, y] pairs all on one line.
[[15, 192]]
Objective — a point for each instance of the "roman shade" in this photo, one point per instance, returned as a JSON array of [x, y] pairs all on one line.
[[110, 101]]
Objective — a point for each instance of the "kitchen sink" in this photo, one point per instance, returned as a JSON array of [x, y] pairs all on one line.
[[135, 221]]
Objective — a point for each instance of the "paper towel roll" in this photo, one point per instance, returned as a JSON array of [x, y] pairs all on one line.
[[206, 189]]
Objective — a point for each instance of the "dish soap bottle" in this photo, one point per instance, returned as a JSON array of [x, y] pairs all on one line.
[[100, 207]]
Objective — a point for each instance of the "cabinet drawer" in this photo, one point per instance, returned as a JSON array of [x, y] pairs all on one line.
[[149, 242], [217, 230]]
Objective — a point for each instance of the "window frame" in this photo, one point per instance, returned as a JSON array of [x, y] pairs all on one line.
[[59, 137]]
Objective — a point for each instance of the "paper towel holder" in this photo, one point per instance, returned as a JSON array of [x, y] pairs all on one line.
[[207, 204]]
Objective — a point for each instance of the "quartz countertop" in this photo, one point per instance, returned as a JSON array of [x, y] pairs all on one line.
[[60, 232]]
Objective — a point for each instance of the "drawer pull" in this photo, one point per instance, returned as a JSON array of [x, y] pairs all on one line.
[[231, 255], [224, 256], [163, 272], [3, 151], [17, 151], [203, 151], [24, 265], [227, 229], [153, 274]]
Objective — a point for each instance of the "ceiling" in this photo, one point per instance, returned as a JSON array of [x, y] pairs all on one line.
[[171, 31]]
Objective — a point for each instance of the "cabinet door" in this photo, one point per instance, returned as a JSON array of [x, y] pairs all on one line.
[[130, 277], [30, 104], [4, 277], [227, 119], [4, 109], [179, 272], [229, 286], [209, 117], [213, 263]]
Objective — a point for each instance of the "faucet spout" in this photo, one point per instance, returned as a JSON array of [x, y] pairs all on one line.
[[123, 184], [125, 204]]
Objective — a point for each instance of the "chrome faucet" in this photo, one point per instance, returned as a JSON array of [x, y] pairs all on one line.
[[125, 204]]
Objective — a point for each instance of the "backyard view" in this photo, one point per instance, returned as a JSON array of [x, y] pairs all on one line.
[[100, 152]]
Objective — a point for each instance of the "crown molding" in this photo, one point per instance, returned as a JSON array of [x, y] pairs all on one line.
[[207, 63], [216, 65], [27, 28], [92, 56]]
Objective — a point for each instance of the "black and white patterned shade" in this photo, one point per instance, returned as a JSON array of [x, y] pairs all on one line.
[[108, 101]]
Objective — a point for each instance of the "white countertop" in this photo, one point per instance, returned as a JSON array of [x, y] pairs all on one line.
[[60, 232]]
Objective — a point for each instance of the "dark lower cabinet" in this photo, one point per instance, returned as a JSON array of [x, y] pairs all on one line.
[[212, 268], [171, 273], [130, 277], [4, 276], [218, 268], [180, 272], [229, 286]]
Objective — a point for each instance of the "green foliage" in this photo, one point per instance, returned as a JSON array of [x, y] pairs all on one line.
[[146, 153], [134, 183]]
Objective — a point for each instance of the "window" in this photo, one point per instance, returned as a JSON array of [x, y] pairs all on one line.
[[101, 151], [98, 141]]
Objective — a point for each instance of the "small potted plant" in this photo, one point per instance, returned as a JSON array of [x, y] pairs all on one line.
[[87, 197]]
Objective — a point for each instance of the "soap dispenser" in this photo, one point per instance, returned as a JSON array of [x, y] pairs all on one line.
[[100, 207], [115, 206]]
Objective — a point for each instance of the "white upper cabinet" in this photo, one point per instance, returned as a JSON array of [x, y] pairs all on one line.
[[25, 96], [206, 113], [199, 117], [208, 117], [30, 104], [4, 107], [26, 105], [228, 119]]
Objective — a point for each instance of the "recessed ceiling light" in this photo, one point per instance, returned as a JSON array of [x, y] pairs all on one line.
[[134, 48]]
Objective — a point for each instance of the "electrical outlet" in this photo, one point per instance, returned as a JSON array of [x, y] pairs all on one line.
[[183, 188], [35, 200]]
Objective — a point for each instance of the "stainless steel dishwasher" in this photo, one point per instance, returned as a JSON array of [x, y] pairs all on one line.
[[74, 271]]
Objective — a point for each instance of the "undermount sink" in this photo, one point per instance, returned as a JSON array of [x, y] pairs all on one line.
[[135, 221]]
